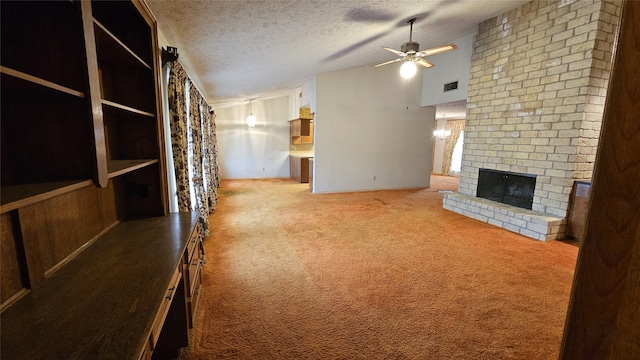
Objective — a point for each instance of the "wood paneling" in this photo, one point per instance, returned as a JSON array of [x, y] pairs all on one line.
[[36, 145], [603, 321], [10, 261], [138, 193], [26, 49], [55, 228]]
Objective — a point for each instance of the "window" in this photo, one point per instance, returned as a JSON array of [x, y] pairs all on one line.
[[456, 157]]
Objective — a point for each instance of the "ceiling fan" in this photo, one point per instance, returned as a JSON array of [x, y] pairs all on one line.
[[410, 54]]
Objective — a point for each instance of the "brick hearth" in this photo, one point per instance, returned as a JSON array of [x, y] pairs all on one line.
[[522, 221]]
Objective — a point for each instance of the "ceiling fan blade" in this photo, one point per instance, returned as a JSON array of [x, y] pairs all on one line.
[[438, 49], [394, 51], [389, 62], [424, 63]]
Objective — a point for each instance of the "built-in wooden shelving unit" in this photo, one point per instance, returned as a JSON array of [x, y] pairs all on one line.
[[83, 176]]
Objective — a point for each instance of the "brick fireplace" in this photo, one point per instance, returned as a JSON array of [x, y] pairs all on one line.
[[537, 88]]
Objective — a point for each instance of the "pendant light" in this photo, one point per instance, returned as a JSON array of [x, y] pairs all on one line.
[[251, 120]]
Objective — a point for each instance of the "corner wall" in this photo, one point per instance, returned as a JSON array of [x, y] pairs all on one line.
[[371, 131], [259, 152], [449, 67]]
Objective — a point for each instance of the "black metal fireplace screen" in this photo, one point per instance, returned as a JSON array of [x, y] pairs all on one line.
[[507, 187]]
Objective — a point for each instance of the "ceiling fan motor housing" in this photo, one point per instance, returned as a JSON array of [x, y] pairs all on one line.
[[410, 47]]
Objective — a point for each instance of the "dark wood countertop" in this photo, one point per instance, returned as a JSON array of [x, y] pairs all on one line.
[[100, 305]]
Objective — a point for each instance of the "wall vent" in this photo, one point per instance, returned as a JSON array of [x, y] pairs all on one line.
[[451, 86]]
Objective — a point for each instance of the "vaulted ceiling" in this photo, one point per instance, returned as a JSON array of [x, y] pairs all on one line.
[[241, 49]]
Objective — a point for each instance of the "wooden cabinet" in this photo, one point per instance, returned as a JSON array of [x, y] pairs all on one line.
[[123, 297], [44, 94], [80, 106], [299, 168], [83, 176], [578, 208], [163, 311], [80, 101], [193, 261], [301, 131]]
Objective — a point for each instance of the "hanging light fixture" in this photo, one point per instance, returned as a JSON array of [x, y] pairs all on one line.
[[408, 69], [251, 120], [442, 133]]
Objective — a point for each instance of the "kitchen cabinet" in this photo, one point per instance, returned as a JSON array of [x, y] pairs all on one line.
[[299, 168], [301, 131]]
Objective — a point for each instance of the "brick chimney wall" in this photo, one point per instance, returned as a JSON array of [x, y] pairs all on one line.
[[537, 89]]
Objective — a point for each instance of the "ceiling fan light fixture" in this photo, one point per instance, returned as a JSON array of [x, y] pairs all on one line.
[[408, 69], [412, 56]]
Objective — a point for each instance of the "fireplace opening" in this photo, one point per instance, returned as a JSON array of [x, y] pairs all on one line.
[[507, 187]]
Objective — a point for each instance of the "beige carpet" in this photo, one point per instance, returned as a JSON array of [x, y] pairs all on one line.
[[373, 275]]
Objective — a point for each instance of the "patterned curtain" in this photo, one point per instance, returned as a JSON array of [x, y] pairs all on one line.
[[210, 151], [194, 145], [179, 136], [455, 126], [197, 160]]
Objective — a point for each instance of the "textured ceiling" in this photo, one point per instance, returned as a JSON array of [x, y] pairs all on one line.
[[237, 50]]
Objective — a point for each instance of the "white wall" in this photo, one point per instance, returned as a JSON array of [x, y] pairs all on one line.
[[294, 104], [304, 96], [308, 98], [449, 67], [259, 152], [438, 152], [370, 131]]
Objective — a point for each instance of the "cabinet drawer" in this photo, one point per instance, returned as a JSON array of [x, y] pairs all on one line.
[[194, 299], [164, 309], [192, 271], [193, 244]]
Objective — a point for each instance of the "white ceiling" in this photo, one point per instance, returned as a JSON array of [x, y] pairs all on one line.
[[236, 50]]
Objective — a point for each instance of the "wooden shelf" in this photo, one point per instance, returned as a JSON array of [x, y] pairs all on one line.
[[125, 79], [120, 167], [82, 155], [16, 196], [38, 81], [46, 134], [115, 50], [44, 39], [127, 108], [123, 20]]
